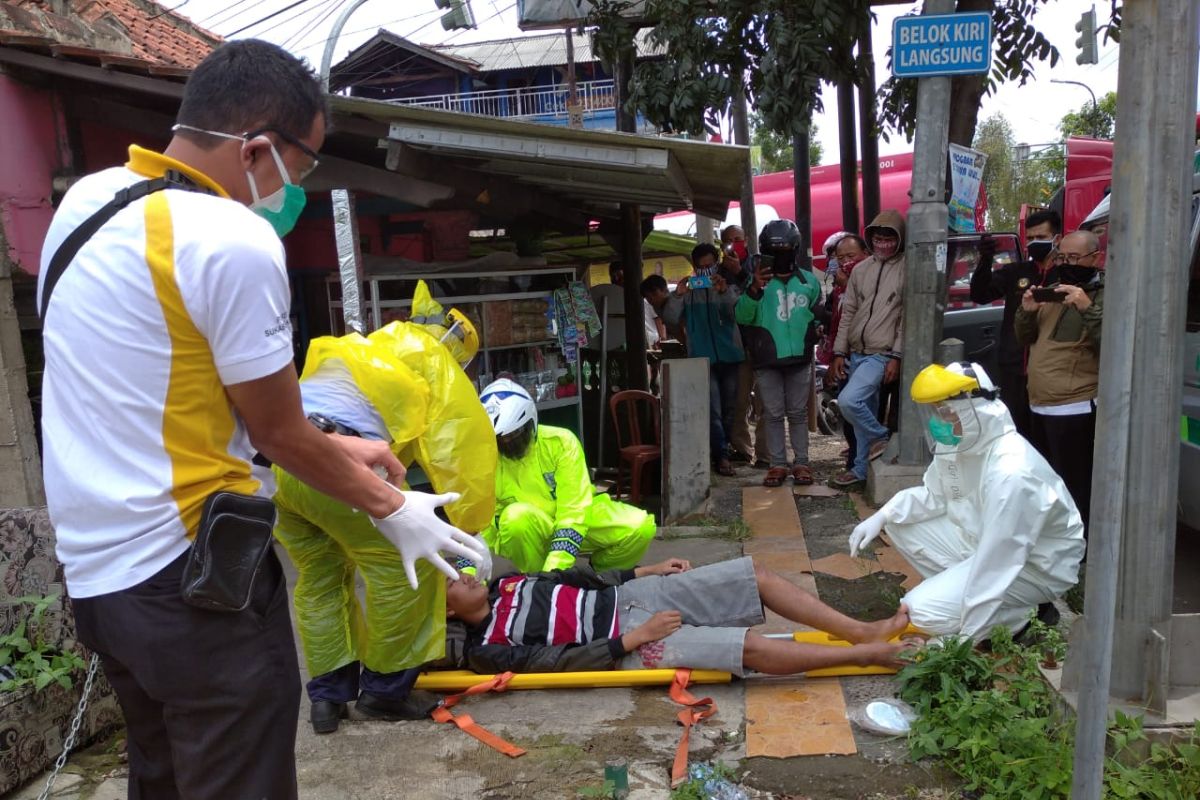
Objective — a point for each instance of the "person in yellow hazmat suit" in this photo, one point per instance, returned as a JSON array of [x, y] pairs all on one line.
[[547, 511], [404, 384]]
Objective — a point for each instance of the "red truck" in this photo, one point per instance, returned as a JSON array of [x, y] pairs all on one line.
[[775, 198]]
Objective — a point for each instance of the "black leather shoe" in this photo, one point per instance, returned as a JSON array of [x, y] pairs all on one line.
[[417, 705], [326, 715]]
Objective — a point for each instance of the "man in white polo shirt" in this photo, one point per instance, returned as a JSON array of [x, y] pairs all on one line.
[[168, 351]]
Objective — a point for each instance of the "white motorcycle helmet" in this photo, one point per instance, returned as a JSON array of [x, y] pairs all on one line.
[[513, 414]]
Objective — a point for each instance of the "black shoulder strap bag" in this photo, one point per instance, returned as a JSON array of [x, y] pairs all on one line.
[[234, 535]]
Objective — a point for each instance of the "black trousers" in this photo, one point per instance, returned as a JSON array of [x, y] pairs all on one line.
[[1067, 443], [211, 699], [1014, 391]]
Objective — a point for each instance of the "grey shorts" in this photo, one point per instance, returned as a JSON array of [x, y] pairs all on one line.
[[718, 602]]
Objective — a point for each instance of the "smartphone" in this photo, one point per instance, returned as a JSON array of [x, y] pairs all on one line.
[[700, 282], [766, 261], [1046, 294]]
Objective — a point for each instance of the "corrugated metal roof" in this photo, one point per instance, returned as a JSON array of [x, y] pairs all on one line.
[[588, 169], [523, 52]]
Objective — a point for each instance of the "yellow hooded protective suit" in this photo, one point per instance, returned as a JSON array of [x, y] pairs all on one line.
[[434, 418]]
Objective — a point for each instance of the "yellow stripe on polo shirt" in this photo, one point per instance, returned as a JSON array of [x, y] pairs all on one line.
[[198, 422]]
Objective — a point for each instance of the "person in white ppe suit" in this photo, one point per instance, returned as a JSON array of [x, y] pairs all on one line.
[[992, 528]]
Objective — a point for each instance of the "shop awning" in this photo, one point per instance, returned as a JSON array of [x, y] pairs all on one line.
[[559, 172], [589, 248]]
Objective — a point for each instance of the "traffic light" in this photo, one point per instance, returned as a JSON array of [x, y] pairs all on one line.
[[1086, 43], [459, 14]]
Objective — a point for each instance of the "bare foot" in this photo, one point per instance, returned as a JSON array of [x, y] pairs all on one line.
[[885, 629]]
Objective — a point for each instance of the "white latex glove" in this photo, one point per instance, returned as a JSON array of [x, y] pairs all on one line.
[[417, 532], [866, 532], [483, 561]]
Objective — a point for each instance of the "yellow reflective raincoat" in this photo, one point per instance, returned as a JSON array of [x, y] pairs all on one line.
[[548, 511], [434, 418]]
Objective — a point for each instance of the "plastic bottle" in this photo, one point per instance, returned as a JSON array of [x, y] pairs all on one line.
[[713, 785]]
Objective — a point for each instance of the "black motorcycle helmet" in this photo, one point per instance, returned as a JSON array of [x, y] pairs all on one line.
[[781, 240]]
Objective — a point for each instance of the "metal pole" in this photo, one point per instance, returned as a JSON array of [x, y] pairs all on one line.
[[848, 154], [867, 132], [345, 214], [602, 416], [925, 253], [574, 113], [331, 42], [741, 132], [626, 120], [637, 376], [802, 192], [1095, 105], [1129, 588]]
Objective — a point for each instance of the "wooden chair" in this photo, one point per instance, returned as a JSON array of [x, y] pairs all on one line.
[[629, 406]]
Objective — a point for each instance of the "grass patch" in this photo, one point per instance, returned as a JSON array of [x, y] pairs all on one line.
[[994, 721], [739, 531]]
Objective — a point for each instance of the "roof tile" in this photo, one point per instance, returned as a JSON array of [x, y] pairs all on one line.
[[142, 29]]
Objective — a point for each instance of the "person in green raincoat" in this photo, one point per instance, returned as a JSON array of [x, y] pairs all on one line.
[[403, 384], [547, 511]]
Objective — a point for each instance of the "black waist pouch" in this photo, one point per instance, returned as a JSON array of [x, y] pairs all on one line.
[[233, 539]]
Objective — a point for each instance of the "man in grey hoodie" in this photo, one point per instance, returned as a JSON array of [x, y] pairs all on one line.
[[870, 339]]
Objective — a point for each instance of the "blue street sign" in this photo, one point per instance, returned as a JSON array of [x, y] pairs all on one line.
[[942, 44]]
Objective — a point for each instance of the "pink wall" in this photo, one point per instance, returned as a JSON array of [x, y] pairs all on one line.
[[28, 160]]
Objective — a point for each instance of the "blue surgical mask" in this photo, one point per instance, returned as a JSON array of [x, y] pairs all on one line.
[[943, 432]]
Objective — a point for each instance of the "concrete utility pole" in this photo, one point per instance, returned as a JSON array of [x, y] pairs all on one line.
[[1128, 610], [925, 251], [741, 133]]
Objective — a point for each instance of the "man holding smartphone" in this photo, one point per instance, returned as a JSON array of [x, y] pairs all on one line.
[[1063, 337], [704, 303], [1043, 230]]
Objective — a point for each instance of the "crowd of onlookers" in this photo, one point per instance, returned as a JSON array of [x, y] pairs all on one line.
[[768, 325]]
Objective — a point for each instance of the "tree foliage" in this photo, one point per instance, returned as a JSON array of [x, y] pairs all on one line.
[[1016, 49], [777, 149], [778, 50], [1010, 179], [1097, 120]]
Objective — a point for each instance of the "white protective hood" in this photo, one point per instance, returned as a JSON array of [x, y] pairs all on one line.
[[1013, 511]]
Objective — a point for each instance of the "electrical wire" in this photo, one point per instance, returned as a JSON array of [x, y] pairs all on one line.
[[272, 15], [212, 21], [315, 10], [330, 7], [326, 39]]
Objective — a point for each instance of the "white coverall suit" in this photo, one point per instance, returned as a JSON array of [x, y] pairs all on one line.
[[993, 529]]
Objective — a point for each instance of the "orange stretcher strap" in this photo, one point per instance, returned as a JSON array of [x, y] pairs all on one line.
[[695, 710], [469, 726]]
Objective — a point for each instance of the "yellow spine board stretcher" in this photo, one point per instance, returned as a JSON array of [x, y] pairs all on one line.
[[460, 680]]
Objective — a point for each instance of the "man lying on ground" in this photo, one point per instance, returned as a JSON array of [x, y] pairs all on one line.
[[666, 615]]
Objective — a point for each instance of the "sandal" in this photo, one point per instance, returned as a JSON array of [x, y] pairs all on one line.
[[775, 477], [802, 475], [877, 447], [725, 468], [846, 480]]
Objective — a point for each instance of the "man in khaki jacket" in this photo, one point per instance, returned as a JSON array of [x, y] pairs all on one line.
[[1063, 338], [870, 339]]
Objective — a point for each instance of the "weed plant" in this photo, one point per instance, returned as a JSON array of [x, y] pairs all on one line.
[[993, 720]]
